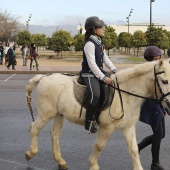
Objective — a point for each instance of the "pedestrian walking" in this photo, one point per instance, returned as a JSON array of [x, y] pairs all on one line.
[[168, 52], [34, 56], [25, 52], [1, 53], [11, 57], [6, 50], [153, 113]]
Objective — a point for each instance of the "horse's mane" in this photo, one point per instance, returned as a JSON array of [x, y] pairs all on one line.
[[135, 71]]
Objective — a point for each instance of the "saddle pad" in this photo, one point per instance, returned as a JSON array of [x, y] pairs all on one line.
[[79, 90], [105, 99]]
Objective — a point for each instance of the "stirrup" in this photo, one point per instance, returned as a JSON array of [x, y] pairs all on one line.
[[92, 127]]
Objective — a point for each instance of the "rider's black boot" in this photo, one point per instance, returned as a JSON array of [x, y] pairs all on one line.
[[145, 142], [90, 124]]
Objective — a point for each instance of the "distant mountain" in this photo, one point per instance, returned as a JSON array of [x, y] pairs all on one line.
[[119, 22], [49, 30]]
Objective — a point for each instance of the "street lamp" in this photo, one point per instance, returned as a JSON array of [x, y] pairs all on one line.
[[151, 12], [129, 17], [27, 22], [81, 29]]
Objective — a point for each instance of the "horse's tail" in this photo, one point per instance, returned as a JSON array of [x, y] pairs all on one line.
[[31, 84]]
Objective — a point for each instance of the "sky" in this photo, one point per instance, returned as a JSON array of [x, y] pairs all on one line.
[[73, 12]]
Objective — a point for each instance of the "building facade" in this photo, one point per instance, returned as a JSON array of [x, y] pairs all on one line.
[[131, 27]]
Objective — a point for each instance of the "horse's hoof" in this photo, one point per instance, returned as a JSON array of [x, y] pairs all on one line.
[[27, 157], [62, 167]]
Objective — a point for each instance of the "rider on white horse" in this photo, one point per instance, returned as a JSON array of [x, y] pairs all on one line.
[[92, 66]]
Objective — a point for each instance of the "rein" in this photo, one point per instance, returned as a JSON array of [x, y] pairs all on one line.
[[139, 96], [132, 94], [120, 96], [121, 101]]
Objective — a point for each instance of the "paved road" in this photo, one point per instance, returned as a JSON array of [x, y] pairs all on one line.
[[76, 144]]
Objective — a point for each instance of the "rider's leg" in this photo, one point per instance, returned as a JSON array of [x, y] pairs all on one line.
[[93, 87]]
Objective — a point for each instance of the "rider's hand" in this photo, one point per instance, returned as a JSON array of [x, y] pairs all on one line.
[[108, 80]]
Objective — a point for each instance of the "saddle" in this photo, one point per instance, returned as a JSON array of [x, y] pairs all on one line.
[[82, 96]]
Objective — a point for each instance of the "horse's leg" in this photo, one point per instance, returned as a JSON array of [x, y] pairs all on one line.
[[104, 133], [55, 135], [130, 136], [35, 128]]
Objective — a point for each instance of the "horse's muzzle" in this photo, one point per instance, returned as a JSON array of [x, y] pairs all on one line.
[[168, 105]]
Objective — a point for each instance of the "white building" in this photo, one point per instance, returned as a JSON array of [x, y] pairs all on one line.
[[132, 27]]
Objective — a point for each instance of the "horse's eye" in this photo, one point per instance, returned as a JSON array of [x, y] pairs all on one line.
[[165, 81]]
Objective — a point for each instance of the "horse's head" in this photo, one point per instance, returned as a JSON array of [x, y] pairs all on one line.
[[162, 83]]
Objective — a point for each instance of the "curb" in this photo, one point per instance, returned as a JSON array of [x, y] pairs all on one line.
[[37, 72]]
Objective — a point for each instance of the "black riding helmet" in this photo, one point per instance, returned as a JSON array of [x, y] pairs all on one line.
[[151, 52], [93, 22]]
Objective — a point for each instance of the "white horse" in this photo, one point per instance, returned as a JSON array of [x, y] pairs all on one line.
[[56, 100]]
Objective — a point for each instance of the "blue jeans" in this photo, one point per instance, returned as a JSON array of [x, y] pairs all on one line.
[[35, 59]]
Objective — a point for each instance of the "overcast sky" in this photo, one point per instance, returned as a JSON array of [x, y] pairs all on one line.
[[64, 12]]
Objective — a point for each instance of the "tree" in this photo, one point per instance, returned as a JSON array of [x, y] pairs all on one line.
[[110, 39], [9, 25], [78, 42], [168, 36], [152, 34], [49, 43], [23, 37], [163, 41], [39, 40], [61, 41], [125, 39], [139, 40], [158, 37]]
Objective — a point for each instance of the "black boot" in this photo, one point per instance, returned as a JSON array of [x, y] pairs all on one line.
[[90, 124], [145, 142], [155, 155], [156, 166]]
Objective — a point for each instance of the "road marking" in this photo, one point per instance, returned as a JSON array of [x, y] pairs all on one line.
[[20, 164], [10, 77]]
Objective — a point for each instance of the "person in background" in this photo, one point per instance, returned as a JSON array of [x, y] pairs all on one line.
[[168, 53], [6, 50], [11, 57], [1, 53], [152, 113], [25, 52], [94, 55], [34, 56], [14, 47]]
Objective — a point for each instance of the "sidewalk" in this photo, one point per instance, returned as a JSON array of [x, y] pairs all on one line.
[[50, 66]]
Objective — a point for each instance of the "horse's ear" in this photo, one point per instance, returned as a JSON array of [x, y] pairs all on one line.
[[160, 62]]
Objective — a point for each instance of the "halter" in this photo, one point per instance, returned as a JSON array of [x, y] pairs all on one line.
[[156, 84], [159, 87]]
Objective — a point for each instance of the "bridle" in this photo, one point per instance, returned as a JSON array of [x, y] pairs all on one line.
[[156, 83], [159, 87]]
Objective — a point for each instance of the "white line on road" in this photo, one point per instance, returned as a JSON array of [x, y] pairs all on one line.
[[10, 77], [19, 164]]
